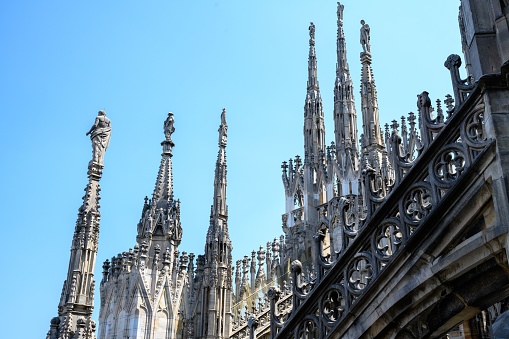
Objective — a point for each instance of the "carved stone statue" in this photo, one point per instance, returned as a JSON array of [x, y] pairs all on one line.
[[365, 38], [168, 126], [223, 128], [340, 13], [100, 134]]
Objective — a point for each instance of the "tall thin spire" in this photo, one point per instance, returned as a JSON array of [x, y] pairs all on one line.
[[312, 66], [163, 190], [217, 234], [345, 115], [314, 127], [77, 300], [214, 319], [219, 205], [377, 171], [370, 118]]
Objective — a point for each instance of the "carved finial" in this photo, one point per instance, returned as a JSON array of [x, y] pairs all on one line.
[[453, 61], [168, 126], [365, 37], [100, 134], [461, 87], [394, 126], [449, 103], [106, 270], [184, 259], [284, 166], [423, 100], [311, 33], [440, 112]]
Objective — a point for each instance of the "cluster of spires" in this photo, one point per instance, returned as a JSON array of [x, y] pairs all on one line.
[[335, 170], [341, 169], [156, 253]]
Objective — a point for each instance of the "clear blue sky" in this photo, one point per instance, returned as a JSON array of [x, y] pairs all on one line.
[[62, 61]]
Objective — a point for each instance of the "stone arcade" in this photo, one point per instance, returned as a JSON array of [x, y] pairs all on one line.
[[400, 235]]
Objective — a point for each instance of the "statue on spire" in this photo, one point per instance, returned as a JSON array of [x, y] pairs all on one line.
[[168, 126], [223, 129], [100, 134], [311, 33], [340, 13], [365, 37]]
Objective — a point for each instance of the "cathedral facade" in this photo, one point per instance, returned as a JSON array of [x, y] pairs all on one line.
[[400, 231]]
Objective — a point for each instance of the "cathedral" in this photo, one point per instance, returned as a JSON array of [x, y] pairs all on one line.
[[394, 231]]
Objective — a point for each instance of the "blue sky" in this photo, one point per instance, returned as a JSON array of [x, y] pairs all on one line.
[[62, 61]]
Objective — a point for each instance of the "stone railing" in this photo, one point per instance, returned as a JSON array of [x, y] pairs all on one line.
[[257, 320], [425, 170]]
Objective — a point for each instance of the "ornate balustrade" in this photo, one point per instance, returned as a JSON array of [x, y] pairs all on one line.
[[426, 168], [243, 324]]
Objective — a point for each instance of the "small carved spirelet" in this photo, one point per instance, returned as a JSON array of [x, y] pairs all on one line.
[[100, 134], [311, 33]]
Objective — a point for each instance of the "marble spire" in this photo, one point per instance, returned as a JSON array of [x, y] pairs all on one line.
[[215, 316], [369, 100], [160, 224], [219, 207], [345, 115], [314, 127], [77, 299]]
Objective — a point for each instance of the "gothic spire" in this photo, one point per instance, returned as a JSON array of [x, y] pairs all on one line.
[[219, 207], [218, 229], [370, 119], [345, 115], [77, 298], [163, 190], [215, 316], [312, 67], [161, 216], [314, 127]]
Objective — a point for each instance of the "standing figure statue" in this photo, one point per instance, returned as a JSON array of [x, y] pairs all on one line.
[[100, 134], [340, 13], [168, 126], [223, 129], [366, 45], [311, 33]]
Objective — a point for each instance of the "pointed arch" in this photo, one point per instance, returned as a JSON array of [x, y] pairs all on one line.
[[162, 316], [140, 310], [161, 324]]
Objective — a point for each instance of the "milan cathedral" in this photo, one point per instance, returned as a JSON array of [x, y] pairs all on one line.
[[399, 232]]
